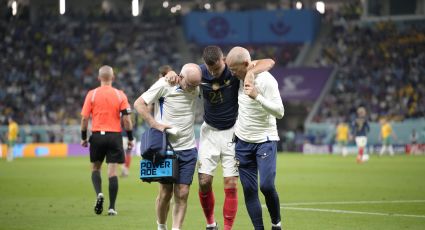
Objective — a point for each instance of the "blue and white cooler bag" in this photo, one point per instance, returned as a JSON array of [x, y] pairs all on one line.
[[159, 163]]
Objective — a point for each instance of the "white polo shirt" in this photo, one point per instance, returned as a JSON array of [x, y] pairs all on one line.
[[256, 121], [177, 109]]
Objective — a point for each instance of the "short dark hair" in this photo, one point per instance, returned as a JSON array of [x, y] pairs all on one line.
[[164, 69], [212, 54]]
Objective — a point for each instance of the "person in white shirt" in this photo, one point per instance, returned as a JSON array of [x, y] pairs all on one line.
[[256, 136], [176, 109]]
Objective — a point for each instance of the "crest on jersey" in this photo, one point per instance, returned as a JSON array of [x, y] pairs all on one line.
[[215, 86]]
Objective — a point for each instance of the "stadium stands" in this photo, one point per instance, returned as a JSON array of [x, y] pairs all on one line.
[[48, 66], [284, 54], [381, 66]]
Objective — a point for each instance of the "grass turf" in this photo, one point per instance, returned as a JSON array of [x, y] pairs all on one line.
[[58, 194]]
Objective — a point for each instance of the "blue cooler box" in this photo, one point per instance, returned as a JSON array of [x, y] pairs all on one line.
[[165, 171]]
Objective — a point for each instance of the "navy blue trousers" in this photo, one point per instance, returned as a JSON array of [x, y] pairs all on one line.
[[254, 159]]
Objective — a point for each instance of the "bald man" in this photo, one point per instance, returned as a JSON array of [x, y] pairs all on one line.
[[176, 109], [106, 106], [256, 136]]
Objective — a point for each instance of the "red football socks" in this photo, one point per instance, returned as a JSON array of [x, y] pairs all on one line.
[[230, 207], [127, 160], [207, 203], [360, 156]]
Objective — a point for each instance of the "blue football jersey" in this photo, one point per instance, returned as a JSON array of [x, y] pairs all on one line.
[[220, 98], [360, 127]]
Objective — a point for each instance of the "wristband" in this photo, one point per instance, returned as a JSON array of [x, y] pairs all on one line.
[[83, 135], [130, 135]]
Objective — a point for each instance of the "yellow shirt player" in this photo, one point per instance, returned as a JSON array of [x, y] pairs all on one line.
[[342, 132], [12, 135], [386, 137]]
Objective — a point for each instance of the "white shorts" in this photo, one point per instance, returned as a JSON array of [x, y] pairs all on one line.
[[216, 145], [361, 141]]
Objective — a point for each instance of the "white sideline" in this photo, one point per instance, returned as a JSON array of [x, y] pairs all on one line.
[[289, 206], [354, 202], [352, 212]]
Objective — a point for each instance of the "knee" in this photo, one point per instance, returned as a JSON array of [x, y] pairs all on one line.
[[205, 186], [96, 166], [267, 188], [112, 174], [205, 183], [112, 169], [250, 190], [164, 196], [230, 182], [181, 194]]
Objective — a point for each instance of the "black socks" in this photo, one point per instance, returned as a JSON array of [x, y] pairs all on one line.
[[97, 181], [113, 191]]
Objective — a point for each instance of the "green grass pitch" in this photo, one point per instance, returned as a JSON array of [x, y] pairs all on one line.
[[316, 192]]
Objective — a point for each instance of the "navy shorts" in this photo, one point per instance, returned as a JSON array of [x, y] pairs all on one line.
[[187, 164]]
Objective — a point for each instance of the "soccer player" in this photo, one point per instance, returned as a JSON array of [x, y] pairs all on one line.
[[220, 91], [414, 147], [12, 136], [125, 168], [106, 106], [359, 130], [386, 136], [256, 136], [176, 109], [342, 133]]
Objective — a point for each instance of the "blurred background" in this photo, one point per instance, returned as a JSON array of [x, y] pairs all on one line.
[[331, 57]]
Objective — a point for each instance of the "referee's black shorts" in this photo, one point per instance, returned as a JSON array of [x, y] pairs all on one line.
[[107, 144]]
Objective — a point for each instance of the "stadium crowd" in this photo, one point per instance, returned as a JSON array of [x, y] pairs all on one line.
[[49, 65], [283, 55], [381, 67]]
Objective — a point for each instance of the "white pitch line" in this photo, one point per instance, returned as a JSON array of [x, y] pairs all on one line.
[[354, 202], [353, 212]]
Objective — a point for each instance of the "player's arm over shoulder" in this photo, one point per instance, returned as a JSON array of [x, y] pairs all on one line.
[[261, 65], [157, 90]]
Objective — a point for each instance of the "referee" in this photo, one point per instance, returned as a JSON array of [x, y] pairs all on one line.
[[106, 105]]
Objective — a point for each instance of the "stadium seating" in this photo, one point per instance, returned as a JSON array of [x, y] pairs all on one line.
[[48, 66], [283, 54], [381, 67]]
